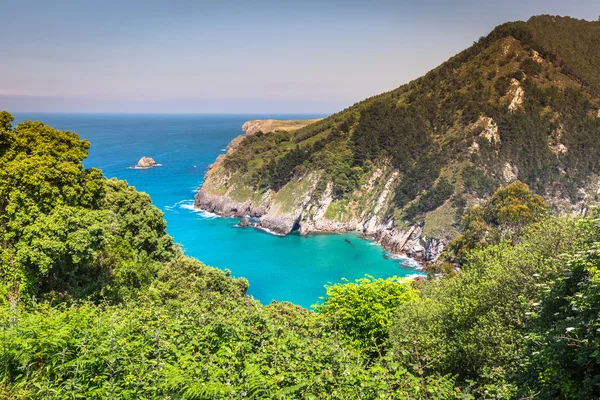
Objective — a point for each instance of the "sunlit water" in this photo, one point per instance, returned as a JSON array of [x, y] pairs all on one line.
[[291, 268]]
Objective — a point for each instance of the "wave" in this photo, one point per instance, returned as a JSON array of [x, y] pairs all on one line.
[[189, 206], [413, 276], [204, 214], [406, 261], [262, 228], [136, 167]]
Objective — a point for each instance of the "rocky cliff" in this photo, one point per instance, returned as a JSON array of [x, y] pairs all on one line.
[[402, 166], [302, 205]]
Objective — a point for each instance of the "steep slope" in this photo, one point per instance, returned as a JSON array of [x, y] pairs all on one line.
[[403, 166]]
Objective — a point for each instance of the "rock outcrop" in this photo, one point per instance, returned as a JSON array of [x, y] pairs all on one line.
[[272, 125], [146, 162], [244, 222]]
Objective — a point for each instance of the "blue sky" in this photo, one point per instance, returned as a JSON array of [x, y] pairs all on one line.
[[233, 56]]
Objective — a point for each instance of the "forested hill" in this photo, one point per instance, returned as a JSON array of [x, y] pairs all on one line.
[[521, 103]]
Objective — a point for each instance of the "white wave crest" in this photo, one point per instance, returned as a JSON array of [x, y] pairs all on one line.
[[413, 276], [407, 261], [188, 205], [262, 228], [136, 167]]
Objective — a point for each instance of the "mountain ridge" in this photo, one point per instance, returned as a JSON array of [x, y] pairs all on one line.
[[402, 166]]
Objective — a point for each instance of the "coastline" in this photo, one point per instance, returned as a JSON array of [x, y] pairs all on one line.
[[301, 206], [409, 242], [411, 262]]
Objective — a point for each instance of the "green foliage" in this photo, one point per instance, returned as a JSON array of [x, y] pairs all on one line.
[[185, 280], [502, 85], [5, 121], [281, 171], [563, 345], [5, 128], [502, 217], [417, 178], [476, 181], [431, 199], [514, 206], [210, 346], [531, 67], [361, 311], [474, 324], [68, 230], [557, 35], [397, 132]]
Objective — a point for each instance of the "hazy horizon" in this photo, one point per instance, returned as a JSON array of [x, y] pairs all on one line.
[[267, 57]]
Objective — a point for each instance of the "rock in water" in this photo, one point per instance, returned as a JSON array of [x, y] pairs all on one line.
[[146, 162], [244, 222]]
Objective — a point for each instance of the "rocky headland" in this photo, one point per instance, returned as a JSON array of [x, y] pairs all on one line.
[[272, 125], [300, 205], [404, 166]]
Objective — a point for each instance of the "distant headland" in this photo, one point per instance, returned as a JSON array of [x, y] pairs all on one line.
[[272, 125]]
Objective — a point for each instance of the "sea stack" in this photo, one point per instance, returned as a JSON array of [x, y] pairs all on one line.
[[146, 162]]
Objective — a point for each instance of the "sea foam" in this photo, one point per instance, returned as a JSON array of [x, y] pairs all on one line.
[[136, 167], [189, 206]]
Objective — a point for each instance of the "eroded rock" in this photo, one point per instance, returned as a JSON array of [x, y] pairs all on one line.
[[146, 162]]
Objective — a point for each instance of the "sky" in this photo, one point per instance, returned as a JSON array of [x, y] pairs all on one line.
[[234, 56]]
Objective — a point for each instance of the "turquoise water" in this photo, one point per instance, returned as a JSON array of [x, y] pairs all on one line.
[[291, 268]]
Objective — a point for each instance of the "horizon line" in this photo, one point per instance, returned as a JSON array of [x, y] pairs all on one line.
[[164, 113]]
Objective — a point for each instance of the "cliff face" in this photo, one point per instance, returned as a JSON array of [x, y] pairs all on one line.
[[402, 166], [302, 205]]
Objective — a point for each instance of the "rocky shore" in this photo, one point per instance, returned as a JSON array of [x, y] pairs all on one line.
[[299, 206], [410, 242]]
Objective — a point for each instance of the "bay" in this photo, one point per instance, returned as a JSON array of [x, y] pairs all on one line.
[[292, 268]]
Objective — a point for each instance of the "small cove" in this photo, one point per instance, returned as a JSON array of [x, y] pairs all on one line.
[[290, 268]]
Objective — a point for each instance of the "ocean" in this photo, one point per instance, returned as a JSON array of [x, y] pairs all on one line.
[[292, 268]]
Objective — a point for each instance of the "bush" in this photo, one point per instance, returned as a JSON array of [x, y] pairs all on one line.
[[362, 311], [531, 67], [431, 200], [473, 324], [502, 85]]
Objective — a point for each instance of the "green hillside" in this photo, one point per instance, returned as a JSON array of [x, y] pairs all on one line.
[[521, 103]]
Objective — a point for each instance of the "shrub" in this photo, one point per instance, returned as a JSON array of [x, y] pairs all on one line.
[[362, 311]]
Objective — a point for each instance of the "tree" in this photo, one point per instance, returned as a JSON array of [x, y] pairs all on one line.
[[564, 344], [5, 120], [362, 311], [502, 217], [67, 229]]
